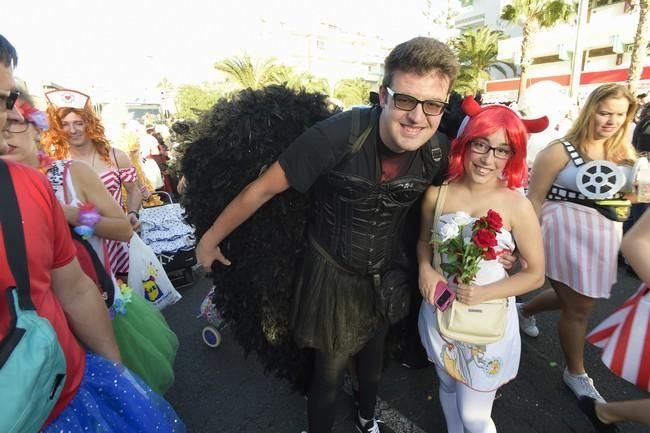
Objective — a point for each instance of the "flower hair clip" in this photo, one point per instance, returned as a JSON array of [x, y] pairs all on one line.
[[88, 219], [32, 114]]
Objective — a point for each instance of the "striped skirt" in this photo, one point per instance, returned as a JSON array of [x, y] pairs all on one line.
[[118, 256], [581, 247]]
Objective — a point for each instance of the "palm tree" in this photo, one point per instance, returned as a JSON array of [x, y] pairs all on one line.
[[640, 47], [247, 74], [533, 15], [354, 91], [302, 80], [477, 51]]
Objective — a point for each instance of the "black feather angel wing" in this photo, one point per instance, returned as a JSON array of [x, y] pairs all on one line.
[[237, 140]]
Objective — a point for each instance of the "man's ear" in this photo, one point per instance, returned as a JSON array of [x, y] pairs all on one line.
[[383, 96]]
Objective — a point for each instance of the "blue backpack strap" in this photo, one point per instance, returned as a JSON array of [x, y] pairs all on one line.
[[14, 237]]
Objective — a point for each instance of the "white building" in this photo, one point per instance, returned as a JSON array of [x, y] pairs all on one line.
[[323, 49], [607, 40]]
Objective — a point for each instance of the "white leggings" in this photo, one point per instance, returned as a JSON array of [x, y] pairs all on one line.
[[466, 410]]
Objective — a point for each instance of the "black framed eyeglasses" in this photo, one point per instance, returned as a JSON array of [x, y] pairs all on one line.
[[431, 107], [499, 152], [8, 99], [16, 126]]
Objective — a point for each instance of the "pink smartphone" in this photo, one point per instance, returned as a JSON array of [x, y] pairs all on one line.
[[444, 296]]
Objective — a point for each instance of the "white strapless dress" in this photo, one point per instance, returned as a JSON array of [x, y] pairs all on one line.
[[481, 367]]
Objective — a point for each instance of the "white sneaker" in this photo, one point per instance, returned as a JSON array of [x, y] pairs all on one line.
[[581, 384], [528, 325]]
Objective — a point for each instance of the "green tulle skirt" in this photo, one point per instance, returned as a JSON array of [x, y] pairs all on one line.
[[147, 344]]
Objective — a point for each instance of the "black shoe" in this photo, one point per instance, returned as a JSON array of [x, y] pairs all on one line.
[[587, 405], [371, 426]]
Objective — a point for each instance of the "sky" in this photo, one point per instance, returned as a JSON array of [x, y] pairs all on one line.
[[126, 46]]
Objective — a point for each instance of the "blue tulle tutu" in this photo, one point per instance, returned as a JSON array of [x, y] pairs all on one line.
[[111, 399]]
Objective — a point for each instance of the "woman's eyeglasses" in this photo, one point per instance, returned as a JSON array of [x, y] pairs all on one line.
[[431, 107], [499, 152], [8, 99], [15, 126]]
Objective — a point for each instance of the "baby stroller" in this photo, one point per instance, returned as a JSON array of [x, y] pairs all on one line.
[[211, 333], [164, 229]]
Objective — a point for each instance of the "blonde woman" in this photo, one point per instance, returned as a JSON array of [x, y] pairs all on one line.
[[581, 244]]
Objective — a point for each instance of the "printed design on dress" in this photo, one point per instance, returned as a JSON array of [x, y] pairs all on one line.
[[457, 358]]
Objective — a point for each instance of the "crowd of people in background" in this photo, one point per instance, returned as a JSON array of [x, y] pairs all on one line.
[[416, 152]]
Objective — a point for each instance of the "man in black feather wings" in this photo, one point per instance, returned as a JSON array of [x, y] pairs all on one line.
[[363, 169]]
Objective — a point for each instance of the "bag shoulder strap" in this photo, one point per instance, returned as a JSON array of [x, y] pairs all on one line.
[[105, 281], [14, 237], [356, 137], [66, 176], [440, 203], [434, 148]]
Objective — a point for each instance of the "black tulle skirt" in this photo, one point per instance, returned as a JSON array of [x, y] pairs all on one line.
[[333, 310]]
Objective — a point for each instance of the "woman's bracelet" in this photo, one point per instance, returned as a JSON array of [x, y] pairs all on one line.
[[88, 219], [137, 215]]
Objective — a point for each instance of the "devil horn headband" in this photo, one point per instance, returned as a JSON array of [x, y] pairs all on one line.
[[472, 108]]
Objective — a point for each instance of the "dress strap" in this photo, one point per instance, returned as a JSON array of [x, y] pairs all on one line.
[[573, 152]]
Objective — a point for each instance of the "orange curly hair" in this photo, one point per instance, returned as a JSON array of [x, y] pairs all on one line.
[[55, 139]]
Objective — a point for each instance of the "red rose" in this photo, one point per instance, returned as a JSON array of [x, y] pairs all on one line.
[[489, 254], [494, 220], [484, 238]]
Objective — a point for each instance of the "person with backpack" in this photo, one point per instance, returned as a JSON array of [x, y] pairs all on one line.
[[348, 292], [61, 367], [147, 345]]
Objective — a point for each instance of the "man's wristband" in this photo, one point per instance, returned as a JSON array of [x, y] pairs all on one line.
[[137, 215]]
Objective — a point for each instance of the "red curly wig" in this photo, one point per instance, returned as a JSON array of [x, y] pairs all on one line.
[[55, 140], [484, 123]]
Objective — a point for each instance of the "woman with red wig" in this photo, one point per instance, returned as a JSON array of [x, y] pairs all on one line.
[[487, 166], [76, 133]]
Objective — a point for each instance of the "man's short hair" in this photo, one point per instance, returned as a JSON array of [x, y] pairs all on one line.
[[8, 55], [641, 95], [421, 55]]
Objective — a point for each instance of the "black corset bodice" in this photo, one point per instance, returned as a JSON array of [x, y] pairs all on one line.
[[357, 221]]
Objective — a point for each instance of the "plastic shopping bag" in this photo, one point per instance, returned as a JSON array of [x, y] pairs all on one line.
[[147, 277]]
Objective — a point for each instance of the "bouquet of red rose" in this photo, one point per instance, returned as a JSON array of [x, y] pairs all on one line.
[[465, 253]]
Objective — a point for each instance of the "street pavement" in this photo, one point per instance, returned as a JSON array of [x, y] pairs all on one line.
[[221, 390]]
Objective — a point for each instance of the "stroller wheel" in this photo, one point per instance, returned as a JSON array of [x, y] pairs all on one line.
[[211, 336]]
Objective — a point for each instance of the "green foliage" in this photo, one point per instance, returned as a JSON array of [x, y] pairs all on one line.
[[191, 100], [533, 15], [477, 51], [302, 80], [353, 91], [246, 74], [538, 13], [164, 84]]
